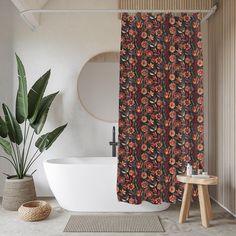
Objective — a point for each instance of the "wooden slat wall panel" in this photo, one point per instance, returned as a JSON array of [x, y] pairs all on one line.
[[217, 47], [204, 29], [235, 101], [165, 4], [231, 22], [211, 131], [221, 74]]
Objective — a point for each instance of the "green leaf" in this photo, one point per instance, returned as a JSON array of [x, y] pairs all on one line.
[[21, 98], [14, 130], [35, 95], [6, 146], [45, 141], [43, 112], [3, 128]]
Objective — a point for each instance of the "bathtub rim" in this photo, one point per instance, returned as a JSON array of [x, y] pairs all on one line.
[[95, 160]]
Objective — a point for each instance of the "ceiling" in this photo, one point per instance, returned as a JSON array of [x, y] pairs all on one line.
[[32, 19]]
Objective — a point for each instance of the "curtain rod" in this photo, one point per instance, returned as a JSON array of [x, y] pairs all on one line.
[[213, 9], [24, 13]]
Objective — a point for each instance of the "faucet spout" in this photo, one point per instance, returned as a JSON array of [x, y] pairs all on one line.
[[113, 143]]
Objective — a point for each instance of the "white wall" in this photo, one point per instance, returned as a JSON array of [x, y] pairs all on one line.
[[6, 63], [64, 43]]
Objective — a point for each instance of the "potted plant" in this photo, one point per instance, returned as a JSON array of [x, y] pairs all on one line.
[[17, 134]]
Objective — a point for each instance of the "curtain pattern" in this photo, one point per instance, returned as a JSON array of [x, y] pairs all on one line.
[[160, 105]]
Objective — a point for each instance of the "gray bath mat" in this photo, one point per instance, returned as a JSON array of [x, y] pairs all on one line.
[[114, 223]]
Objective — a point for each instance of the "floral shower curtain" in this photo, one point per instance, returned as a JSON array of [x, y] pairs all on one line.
[[161, 105]]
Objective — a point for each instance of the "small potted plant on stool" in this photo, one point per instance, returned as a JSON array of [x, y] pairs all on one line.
[[17, 134]]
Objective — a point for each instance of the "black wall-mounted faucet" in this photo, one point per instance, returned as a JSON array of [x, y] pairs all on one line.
[[113, 143]]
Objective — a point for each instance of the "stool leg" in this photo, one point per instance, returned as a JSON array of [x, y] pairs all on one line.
[[188, 207], [185, 203], [208, 202], [203, 205]]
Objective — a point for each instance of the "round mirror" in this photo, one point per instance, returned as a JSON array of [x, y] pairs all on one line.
[[98, 86]]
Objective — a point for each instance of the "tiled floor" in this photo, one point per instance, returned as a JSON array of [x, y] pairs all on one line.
[[223, 224]]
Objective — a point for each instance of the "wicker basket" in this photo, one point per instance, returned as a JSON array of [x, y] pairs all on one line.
[[34, 210]]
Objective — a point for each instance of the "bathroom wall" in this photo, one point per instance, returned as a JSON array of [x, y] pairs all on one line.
[[222, 106], [6, 58], [64, 43]]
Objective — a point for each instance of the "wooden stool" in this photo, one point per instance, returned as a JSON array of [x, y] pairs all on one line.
[[204, 199]]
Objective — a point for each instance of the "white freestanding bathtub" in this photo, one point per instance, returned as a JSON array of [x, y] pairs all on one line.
[[88, 184]]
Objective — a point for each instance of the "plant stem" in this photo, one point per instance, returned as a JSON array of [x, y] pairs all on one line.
[[15, 167], [14, 158], [19, 161], [23, 150], [25, 139], [32, 161], [33, 172], [14, 152], [26, 157]]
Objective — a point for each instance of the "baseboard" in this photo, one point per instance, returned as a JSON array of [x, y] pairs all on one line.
[[231, 213]]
